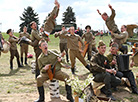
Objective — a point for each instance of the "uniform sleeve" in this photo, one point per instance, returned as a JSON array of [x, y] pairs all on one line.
[[113, 14], [110, 58], [56, 35], [13, 40], [36, 36], [41, 66], [119, 36], [54, 12], [83, 36], [95, 67], [81, 42], [20, 35]]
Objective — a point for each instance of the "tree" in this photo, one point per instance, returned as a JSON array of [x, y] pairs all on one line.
[[27, 17], [69, 16]]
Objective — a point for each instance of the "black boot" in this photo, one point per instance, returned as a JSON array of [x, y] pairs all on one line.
[[22, 61], [26, 61], [88, 67], [11, 65], [18, 62], [73, 70], [41, 94], [69, 93], [67, 58]]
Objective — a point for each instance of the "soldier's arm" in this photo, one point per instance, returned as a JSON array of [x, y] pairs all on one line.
[[119, 36], [36, 36], [81, 42], [13, 40], [56, 34], [41, 66], [113, 12], [95, 66], [83, 36]]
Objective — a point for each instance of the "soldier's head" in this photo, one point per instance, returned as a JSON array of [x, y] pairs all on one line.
[[72, 30], [104, 16], [33, 25], [123, 28], [88, 28], [101, 47], [9, 31], [43, 46], [41, 29], [114, 48], [63, 28], [25, 29]]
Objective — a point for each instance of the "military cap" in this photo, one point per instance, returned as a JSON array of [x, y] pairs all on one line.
[[114, 45], [88, 26], [101, 43]]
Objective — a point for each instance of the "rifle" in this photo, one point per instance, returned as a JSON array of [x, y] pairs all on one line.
[[51, 69]]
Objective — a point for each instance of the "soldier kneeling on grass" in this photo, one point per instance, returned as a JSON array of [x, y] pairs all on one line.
[[45, 60]]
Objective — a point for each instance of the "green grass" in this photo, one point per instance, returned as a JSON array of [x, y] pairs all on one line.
[[21, 80]]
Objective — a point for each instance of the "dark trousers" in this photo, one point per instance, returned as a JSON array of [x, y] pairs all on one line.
[[109, 80], [129, 74], [37, 51], [1, 46]]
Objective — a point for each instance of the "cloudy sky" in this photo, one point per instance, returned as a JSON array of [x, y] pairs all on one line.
[[85, 12]]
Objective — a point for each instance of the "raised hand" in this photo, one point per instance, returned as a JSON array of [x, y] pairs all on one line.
[[98, 11], [110, 6]]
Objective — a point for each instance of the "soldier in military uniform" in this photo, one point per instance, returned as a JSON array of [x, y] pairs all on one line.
[[50, 21], [88, 38], [35, 37], [109, 21], [121, 38], [23, 46], [1, 45], [63, 41], [128, 74], [102, 71], [75, 52], [45, 60], [42, 33], [13, 48]]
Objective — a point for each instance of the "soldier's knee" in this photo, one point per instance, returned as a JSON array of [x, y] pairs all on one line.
[[39, 81]]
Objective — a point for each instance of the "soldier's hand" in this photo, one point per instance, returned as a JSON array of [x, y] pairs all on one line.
[[98, 11], [47, 66], [110, 6], [132, 63], [109, 70], [81, 50], [59, 59]]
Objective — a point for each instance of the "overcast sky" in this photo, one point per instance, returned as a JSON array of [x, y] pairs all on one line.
[[85, 12]]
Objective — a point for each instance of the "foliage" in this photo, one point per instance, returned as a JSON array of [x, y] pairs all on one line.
[[27, 17], [78, 86], [69, 16]]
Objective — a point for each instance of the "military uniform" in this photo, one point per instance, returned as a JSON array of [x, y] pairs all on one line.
[[120, 39], [1, 46], [50, 21], [88, 38], [128, 74], [13, 51], [51, 58], [36, 38], [63, 43], [72, 44], [24, 47], [110, 23]]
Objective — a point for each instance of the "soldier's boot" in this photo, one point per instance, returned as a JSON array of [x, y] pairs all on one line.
[[67, 58], [26, 61], [11, 65], [18, 62], [69, 93], [22, 61], [73, 70], [41, 94], [88, 67]]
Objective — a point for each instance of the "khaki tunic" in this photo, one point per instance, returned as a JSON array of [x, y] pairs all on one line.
[[72, 44], [13, 42], [24, 47], [110, 23], [97, 64], [50, 58], [89, 38], [120, 38], [50, 21], [36, 38]]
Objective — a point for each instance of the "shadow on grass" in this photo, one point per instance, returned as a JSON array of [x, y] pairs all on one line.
[[12, 72], [84, 76]]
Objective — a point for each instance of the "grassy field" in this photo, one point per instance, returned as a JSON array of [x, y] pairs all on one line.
[[19, 85]]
